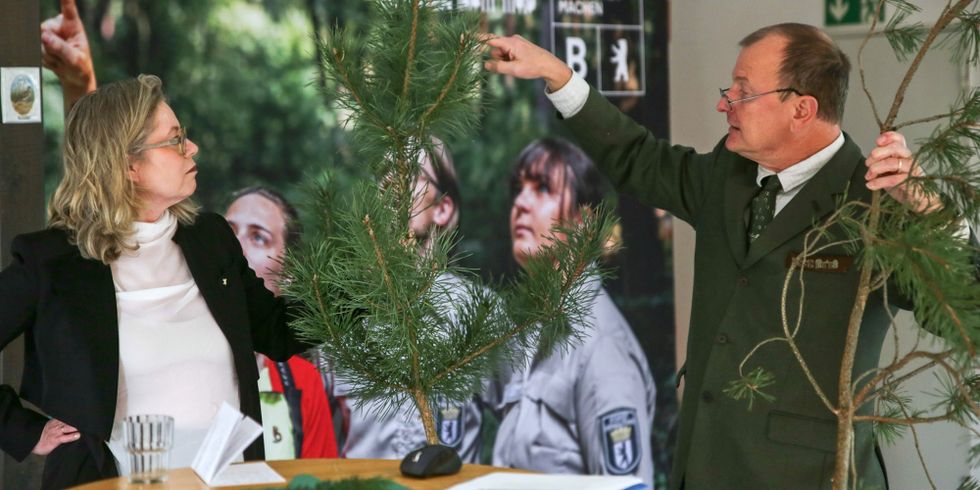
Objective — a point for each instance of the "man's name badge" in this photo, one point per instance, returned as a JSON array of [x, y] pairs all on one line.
[[821, 263]]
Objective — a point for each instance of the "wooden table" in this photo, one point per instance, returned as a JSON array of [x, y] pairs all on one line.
[[185, 479]]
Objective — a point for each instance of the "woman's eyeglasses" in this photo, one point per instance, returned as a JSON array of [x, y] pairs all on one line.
[[180, 141]]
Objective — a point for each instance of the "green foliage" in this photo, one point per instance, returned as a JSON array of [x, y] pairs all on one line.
[[923, 254], [930, 267], [973, 456], [396, 321], [749, 386], [905, 40], [550, 291], [949, 146], [904, 6], [894, 405], [964, 38], [969, 484], [953, 395], [403, 86], [310, 482], [401, 320]]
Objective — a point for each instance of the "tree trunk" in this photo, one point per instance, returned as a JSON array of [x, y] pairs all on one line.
[[845, 395], [428, 416]]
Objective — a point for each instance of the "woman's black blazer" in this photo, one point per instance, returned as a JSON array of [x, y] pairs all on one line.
[[65, 305]]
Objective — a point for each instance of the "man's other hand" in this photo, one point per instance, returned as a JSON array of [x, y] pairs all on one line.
[[890, 165], [65, 51]]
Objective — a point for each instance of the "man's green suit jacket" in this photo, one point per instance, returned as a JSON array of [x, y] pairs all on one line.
[[790, 442]]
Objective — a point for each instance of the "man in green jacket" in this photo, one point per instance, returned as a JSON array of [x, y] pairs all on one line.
[[782, 166]]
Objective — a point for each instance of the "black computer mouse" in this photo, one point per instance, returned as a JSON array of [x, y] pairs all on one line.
[[434, 460]]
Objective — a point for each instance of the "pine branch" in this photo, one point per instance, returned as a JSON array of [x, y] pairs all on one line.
[[904, 421], [868, 233], [409, 64], [903, 5], [379, 255], [958, 385], [750, 386], [483, 350], [904, 39], [918, 450], [748, 357], [967, 33], [450, 83], [940, 297], [864, 395], [891, 404], [798, 264], [949, 14], [845, 407], [428, 418], [333, 333], [335, 58], [969, 484], [864, 43], [592, 230], [960, 395], [744, 386], [929, 119]]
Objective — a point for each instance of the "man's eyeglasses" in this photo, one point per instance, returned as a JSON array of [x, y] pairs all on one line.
[[731, 103], [180, 141]]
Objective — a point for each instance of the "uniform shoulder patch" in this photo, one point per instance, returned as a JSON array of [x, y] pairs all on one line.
[[620, 432], [449, 423]]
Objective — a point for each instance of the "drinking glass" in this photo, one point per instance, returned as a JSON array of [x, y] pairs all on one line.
[[148, 439]]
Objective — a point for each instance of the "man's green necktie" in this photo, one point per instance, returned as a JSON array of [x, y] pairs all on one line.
[[763, 206]]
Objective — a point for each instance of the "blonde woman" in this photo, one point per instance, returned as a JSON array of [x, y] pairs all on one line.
[[130, 301]]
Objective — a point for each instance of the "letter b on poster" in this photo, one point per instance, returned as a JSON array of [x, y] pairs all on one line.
[[602, 41]]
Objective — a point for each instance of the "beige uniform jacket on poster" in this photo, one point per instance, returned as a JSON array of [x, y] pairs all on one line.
[[587, 410]]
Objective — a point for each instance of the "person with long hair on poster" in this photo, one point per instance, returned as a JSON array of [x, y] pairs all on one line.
[[588, 409]]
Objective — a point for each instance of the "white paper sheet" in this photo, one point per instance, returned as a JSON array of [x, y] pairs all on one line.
[[229, 435], [257, 473], [522, 481]]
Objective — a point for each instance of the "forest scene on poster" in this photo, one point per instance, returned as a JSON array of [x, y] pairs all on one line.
[[243, 77]]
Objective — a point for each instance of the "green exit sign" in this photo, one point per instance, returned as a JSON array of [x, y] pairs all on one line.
[[850, 12]]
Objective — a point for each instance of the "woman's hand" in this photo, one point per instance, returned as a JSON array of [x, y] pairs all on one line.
[[55, 434]]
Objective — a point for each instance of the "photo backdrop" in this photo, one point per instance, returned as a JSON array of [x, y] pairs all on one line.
[[242, 76]]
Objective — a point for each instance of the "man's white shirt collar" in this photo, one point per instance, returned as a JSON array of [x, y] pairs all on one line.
[[800, 173]]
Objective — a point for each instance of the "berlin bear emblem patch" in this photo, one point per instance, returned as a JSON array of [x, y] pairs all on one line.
[[620, 434], [449, 421]]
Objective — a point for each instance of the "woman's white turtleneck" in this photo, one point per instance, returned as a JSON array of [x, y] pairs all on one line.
[[173, 358]]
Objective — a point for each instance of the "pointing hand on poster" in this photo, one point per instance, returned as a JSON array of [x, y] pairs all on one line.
[[518, 57], [65, 51]]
